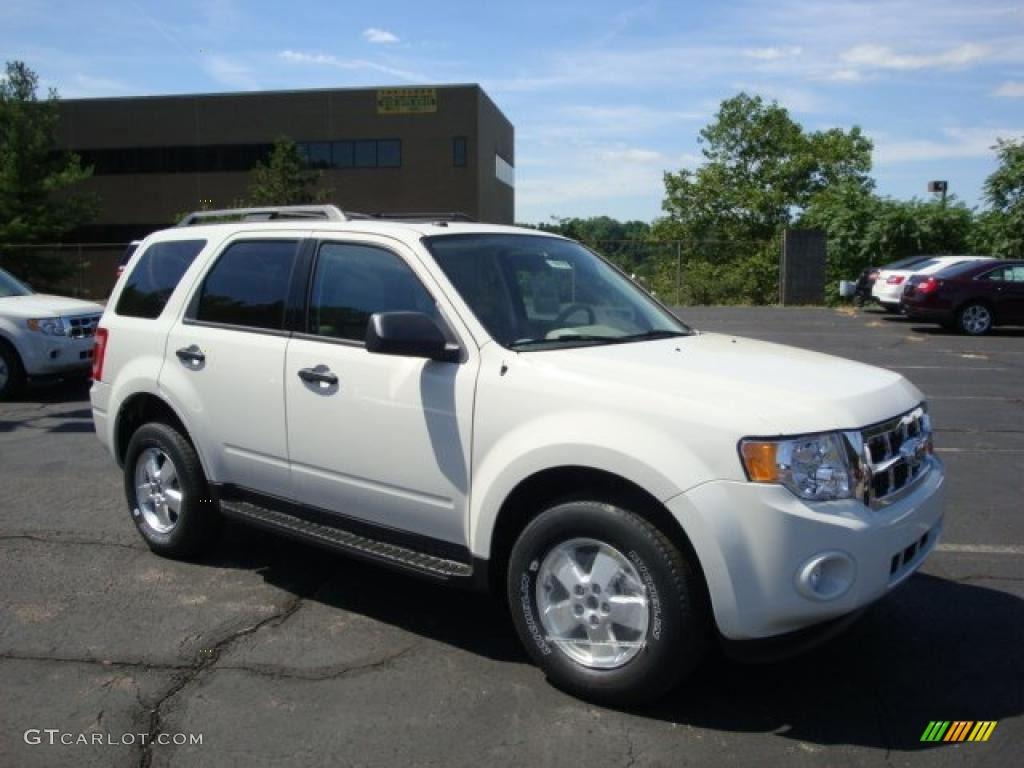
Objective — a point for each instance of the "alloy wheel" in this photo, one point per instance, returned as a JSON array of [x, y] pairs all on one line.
[[158, 490]]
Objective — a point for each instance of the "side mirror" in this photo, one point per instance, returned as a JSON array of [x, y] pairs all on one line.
[[408, 334]]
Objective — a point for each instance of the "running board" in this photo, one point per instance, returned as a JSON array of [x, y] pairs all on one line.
[[346, 542]]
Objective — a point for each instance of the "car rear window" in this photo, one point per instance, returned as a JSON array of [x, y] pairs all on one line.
[[155, 277], [907, 263], [248, 285]]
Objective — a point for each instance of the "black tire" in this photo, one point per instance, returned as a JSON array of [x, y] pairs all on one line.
[[678, 626], [12, 382], [975, 319], [197, 525]]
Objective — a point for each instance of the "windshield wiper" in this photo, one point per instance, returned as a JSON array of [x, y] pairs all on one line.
[[653, 334], [565, 337]]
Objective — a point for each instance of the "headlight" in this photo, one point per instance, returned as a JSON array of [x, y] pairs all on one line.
[[51, 326], [816, 467]]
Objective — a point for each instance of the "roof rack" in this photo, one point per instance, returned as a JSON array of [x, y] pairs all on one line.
[[267, 213], [427, 216]]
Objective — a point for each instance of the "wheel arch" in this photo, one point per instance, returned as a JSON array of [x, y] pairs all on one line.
[[143, 407], [539, 491]]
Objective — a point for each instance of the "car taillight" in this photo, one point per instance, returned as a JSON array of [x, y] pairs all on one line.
[[895, 280], [927, 286], [99, 349]]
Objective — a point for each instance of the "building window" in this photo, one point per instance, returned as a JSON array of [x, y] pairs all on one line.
[[389, 153], [342, 154], [459, 151], [505, 171], [318, 154], [366, 154]]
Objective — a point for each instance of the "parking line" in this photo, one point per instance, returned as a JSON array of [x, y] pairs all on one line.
[[1010, 451], [980, 549], [943, 368]]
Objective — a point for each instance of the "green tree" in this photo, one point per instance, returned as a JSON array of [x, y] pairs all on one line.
[[284, 179], [760, 168], [1000, 230], [36, 201]]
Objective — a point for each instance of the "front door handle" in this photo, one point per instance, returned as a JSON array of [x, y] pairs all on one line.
[[192, 356], [320, 375]]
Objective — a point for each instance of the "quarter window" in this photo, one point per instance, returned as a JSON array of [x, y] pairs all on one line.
[[155, 276], [248, 285], [352, 282]]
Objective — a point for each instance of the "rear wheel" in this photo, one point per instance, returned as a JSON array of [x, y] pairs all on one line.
[[167, 493], [605, 603], [975, 319], [12, 375]]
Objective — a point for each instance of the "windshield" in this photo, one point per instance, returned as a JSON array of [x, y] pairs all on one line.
[[11, 287], [535, 292]]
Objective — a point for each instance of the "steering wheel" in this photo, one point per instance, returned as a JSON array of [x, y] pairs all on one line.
[[572, 309]]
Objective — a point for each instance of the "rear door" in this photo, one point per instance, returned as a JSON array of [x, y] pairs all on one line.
[[388, 442], [224, 361], [1005, 287]]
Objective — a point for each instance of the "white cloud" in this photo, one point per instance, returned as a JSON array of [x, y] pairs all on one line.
[[228, 71], [959, 144], [1011, 90], [845, 76], [773, 54], [327, 60], [883, 57], [376, 35]]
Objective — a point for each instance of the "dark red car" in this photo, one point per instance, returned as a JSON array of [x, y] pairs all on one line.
[[970, 297]]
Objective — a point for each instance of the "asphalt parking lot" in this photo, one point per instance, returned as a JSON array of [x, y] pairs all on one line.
[[278, 654]]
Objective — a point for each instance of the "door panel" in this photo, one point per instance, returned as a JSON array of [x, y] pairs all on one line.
[[388, 441], [224, 364]]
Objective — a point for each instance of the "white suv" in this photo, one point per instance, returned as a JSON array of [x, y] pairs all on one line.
[[499, 407], [42, 335]]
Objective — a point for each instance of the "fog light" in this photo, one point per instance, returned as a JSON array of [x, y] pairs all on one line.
[[826, 576]]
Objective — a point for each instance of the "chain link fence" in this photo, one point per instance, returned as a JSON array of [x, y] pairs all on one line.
[[686, 272], [82, 270], [679, 272]]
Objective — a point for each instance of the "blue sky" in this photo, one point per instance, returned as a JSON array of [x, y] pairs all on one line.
[[604, 96]]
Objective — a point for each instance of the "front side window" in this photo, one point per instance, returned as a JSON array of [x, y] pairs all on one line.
[[248, 285], [352, 282], [535, 292], [155, 276]]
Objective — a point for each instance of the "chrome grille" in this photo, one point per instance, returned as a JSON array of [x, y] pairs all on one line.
[[896, 454], [82, 326]]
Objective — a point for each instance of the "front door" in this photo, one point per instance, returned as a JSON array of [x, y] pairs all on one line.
[[381, 438]]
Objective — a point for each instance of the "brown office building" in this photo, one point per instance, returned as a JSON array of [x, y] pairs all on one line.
[[381, 150]]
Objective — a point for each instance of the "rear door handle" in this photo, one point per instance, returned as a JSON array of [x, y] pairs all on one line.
[[320, 375], [191, 355]]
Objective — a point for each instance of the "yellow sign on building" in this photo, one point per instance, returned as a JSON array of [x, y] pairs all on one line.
[[406, 101]]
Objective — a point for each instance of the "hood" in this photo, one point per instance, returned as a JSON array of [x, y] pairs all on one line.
[[771, 389], [46, 305]]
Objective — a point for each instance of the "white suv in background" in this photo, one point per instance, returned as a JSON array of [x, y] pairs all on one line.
[[500, 408], [42, 335], [889, 285]]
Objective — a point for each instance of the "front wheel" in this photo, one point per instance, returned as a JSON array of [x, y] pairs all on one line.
[[12, 375], [167, 493], [605, 603]]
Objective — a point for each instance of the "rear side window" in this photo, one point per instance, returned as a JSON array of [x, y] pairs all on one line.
[[352, 282], [155, 277], [248, 285], [1011, 274]]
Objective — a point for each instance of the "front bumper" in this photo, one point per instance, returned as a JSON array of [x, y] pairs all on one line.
[[755, 543], [53, 355]]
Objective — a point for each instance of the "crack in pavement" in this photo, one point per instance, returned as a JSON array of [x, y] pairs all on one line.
[[208, 661], [335, 672], [43, 538]]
